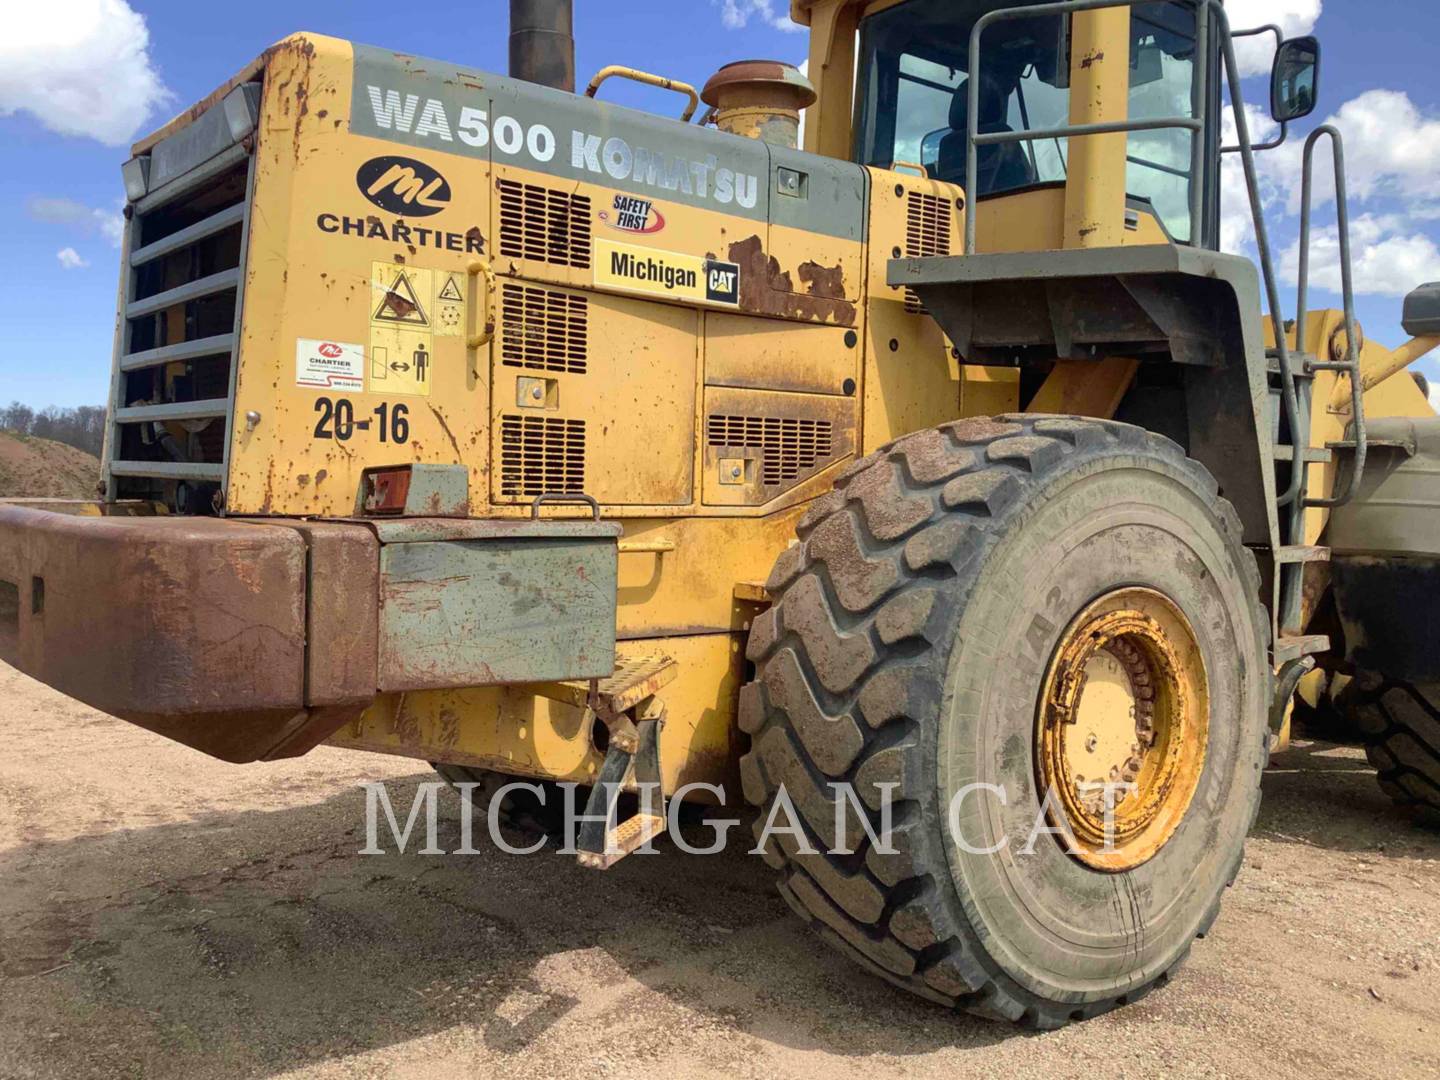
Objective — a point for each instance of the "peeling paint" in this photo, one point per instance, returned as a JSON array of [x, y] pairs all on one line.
[[766, 289]]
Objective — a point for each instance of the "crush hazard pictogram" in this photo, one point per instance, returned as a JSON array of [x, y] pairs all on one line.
[[401, 304]]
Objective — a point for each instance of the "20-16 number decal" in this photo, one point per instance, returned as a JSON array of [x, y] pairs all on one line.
[[337, 421]]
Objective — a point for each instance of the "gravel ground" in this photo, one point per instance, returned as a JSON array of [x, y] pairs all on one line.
[[163, 914]]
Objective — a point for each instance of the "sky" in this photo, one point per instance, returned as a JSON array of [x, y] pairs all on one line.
[[80, 79]]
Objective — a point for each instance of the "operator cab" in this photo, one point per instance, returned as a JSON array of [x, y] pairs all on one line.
[[914, 90]]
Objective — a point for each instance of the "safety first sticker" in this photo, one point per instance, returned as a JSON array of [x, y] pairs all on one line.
[[410, 307], [329, 365]]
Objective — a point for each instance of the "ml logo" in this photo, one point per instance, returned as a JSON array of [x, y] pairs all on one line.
[[403, 186]]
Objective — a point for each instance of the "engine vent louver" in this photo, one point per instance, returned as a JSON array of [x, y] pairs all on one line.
[[541, 455], [928, 225], [543, 225], [542, 330], [789, 447]]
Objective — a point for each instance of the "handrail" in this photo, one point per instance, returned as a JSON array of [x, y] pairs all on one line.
[[1351, 363], [479, 339], [1194, 122], [620, 71]]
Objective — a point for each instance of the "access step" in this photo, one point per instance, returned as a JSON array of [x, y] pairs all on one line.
[[635, 678], [1301, 553], [1289, 648], [1313, 455]]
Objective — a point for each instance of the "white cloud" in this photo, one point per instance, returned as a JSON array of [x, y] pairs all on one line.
[[109, 224], [1255, 54], [736, 14], [1392, 154], [1434, 395], [1389, 257], [70, 259], [1391, 148], [80, 67]]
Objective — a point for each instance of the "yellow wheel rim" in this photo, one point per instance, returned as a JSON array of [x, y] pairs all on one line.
[[1125, 702]]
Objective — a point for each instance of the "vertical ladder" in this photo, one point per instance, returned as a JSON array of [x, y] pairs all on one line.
[[1292, 558]]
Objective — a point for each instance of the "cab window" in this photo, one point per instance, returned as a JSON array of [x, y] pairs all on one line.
[[913, 98]]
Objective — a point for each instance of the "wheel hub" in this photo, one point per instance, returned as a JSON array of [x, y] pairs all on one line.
[[1122, 728]]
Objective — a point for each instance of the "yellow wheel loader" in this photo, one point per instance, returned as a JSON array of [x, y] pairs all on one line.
[[938, 488]]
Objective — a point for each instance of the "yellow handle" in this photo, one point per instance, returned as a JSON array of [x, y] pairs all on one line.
[[621, 72], [481, 268], [915, 165], [646, 547]]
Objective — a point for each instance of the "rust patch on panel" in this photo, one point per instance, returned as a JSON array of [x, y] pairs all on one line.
[[826, 281], [766, 289]]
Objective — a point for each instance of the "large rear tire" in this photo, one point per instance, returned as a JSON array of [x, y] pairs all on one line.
[[913, 629], [1400, 724]]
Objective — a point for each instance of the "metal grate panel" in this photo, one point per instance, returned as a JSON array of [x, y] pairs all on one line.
[[788, 446], [541, 455], [173, 382], [928, 224], [544, 225], [543, 330]]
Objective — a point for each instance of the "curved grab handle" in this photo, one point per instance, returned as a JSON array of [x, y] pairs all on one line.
[[619, 71], [481, 268], [914, 166], [564, 499]]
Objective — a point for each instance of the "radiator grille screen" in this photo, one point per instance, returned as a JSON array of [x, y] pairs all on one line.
[[544, 225], [540, 455], [927, 233], [543, 330], [788, 446]]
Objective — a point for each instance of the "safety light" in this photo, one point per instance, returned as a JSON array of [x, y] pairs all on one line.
[[242, 110], [136, 174]]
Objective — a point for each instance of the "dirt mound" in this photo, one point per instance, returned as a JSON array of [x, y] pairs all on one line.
[[41, 469]]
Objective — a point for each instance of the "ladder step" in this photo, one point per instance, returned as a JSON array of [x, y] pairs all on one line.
[[752, 592], [1301, 553], [635, 679], [629, 836], [1294, 647], [1314, 455]]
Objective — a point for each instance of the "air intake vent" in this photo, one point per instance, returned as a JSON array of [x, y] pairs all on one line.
[[541, 455], [788, 447], [543, 330], [544, 225], [927, 233]]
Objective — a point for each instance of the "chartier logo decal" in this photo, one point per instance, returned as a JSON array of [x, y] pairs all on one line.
[[630, 214], [403, 186]]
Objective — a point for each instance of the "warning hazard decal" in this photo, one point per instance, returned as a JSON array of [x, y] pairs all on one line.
[[402, 335], [449, 305], [400, 302]]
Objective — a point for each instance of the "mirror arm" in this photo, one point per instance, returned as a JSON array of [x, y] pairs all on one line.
[[1271, 145]]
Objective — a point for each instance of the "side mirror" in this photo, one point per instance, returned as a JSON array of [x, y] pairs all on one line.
[[1293, 79]]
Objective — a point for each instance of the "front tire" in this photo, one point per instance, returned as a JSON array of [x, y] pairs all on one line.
[[913, 628]]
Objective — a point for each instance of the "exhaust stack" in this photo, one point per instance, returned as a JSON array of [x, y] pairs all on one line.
[[542, 42]]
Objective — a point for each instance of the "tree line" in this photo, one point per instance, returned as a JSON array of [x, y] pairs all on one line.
[[82, 427]]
